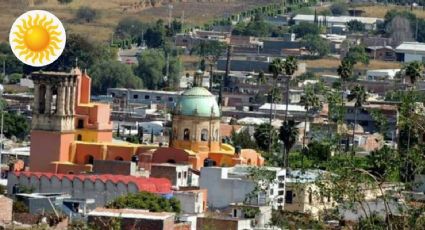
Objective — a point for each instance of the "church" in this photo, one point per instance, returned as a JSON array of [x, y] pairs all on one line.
[[69, 132]]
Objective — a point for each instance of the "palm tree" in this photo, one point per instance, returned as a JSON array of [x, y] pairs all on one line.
[[310, 101], [414, 71], [275, 68], [290, 65], [345, 70], [261, 78], [358, 94], [288, 135]]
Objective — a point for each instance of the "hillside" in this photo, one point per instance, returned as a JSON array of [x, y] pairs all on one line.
[[195, 12]]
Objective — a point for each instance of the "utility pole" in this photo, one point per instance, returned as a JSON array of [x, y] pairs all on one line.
[[1, 138], [170, 13]]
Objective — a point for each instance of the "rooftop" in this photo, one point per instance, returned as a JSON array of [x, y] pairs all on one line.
[[336, 19], [411, 46], [131, 213]]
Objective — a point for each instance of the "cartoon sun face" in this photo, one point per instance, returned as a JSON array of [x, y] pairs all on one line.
[[37, 38]]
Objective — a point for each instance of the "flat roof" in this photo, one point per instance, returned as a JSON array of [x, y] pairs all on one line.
[[336, 19], [131, 213], [411, 46]]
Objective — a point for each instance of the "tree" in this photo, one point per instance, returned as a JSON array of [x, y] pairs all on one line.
[[112, 74], [275, 68], [15, 125], [316, 45], [210, 50], [400, 29], [305, 28], [357, 54], [290, 65], [131, 27], [355, 26], [339, 8], [345, 70], [11, 63], [150, 68], [87, 14], [243, 139], [147, 201], [155, 35], [288, 134], [413, 71], [358, 94], [310, 101], [264, 136]]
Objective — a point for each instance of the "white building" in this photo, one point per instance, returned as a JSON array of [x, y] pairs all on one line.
[[338, 21], [381, 74], [145, 96], [411, 51], [232, 185]]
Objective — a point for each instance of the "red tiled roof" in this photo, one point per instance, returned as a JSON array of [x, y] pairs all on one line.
[[153, 185]]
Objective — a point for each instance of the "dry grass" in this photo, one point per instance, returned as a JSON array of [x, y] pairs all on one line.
[[334, 63], [379, 11], [111, 11]]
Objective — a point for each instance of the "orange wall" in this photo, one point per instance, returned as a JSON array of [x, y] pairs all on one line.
[[47, 147]]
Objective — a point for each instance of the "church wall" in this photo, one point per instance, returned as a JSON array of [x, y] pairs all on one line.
[[83, 152], [124, 152]]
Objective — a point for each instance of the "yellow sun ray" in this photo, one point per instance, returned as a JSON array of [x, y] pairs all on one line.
[[47, 54], [19, 41], [35, 57], [43, 20], [52, 51], [37, 17], [21, 30], [40, 59], [47, 23], [30, 21], [54, 45], [24, 52], [29, 56]]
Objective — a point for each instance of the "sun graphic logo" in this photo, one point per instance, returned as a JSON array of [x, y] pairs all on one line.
[[37, 38]]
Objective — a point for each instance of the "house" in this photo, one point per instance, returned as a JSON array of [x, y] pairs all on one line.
[[383, 53], [193, 200], [369, 22], [410, 51], [233, 184], [180, 175], [237, 217], [302, 195], [274, 46], [381, 74], [144, 96], [135, 219]]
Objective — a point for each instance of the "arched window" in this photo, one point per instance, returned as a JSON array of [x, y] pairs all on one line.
[[249, 162], [204, 135], [54, 102], [186, 134], [70, 172], [89, 159], [41, 99], [171, 161], [119, 158], [79, 137]]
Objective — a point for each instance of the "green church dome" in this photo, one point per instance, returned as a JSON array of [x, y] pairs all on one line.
[[197, 101]]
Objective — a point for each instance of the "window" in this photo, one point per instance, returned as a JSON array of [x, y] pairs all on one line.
[[280, 193], [288, 197], [170, 99], [281, 185], [271, 191], [158, 98], [119, 159], [135, 96], [235, 213], [185, 175], [147, 97], [80, 124], [179, 175], [186, 134], [113, 94], [79, 137], [204, 135], [41, 99], [310, 197], [89, 159]]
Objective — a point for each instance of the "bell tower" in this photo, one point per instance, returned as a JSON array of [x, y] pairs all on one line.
[[52, 126]]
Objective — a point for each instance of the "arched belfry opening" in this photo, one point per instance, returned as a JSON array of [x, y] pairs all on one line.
[[54, 101]]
